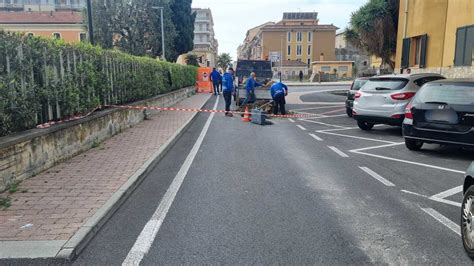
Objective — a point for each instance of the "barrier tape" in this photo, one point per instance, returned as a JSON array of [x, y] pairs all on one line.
[[156, 108]]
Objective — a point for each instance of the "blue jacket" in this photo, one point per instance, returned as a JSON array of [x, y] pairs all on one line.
[[251, 84], [215, 76], [278, 89], [227, 82]]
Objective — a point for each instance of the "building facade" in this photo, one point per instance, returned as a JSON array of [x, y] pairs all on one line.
[[436, 36], [250, 49], [60, 19], [205, 43], [298, 36], [345, 51]]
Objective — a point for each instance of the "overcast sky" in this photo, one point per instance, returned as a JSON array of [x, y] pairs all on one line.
[[232, 18]]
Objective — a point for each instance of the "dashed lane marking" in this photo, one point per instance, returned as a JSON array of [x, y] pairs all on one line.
[[377, 176], [291, 120], [444, 220], [316, 137], [301, 127], [339, 152]]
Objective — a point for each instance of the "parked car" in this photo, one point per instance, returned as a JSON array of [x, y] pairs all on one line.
[[382, 100], [441, 112], [356, 85], [467, 212]]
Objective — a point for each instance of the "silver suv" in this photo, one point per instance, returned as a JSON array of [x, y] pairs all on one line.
[[382, 100]]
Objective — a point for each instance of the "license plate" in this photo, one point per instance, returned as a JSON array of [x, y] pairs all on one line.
[[442, 116]]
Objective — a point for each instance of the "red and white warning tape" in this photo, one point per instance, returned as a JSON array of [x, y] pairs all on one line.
[[69, 119]]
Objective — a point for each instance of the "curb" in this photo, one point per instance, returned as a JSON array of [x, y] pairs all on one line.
[[88, 230]]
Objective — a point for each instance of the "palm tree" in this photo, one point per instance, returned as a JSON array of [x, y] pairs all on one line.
[[223, 61], [192, 60]]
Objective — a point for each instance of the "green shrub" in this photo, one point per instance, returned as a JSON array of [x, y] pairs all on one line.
[[43, 80]]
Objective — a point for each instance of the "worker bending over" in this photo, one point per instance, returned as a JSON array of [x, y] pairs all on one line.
[[279, 91], [250, 88]]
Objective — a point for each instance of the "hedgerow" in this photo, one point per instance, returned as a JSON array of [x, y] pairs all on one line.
[[44, 79]]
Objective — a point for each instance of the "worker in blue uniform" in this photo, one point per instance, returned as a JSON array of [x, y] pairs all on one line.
[[216, 78], [228, 89], [278, 91], [250, 88]]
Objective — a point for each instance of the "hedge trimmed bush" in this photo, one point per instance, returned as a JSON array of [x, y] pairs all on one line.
[[43, 80]]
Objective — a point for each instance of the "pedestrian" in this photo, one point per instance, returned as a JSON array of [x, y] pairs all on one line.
[[408, 71], [250, 88], [215, 78], [220, 81], [301, 76], [228, 89], [278, 91]]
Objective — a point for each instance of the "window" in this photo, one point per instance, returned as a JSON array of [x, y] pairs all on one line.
[[419, 82], [288, 36], [342, 68], [309, 49], [299, 36], [414, 51], [57, 35], [298, 59], [82, 36], [289, 49], [310, 36], [298, 49], [464, 46], [325, 68], [309, 61]]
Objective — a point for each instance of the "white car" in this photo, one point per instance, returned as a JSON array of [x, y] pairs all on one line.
[[382, 100]]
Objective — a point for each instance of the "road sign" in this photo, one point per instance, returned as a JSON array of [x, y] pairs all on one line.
[[274, 56]]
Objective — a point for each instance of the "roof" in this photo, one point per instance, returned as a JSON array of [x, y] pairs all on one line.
[[278, 27], [300, 15], [293, 63], [25, 17]]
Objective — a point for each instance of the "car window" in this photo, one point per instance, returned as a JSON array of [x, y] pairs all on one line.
[[446, 93], [358, 84], [381, 84], [421, 81]]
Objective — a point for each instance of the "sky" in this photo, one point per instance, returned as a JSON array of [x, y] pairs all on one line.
[[232, 18]]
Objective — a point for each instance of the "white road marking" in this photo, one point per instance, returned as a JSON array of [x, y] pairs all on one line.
[[377, 176], [316, 137], [414, 193], [321, 123], [354, 137], [444, 220], [319, 107], [336, 150], [450, 202], [324, 116], [332, 111], [301, 127], [291, 120], [147, 236], [448, 192], [377, 147]]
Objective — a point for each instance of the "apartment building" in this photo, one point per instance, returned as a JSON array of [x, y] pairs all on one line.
[[205, 43]]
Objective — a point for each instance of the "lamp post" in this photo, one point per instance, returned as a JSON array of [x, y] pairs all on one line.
[[89, 21], [281, 56], [162, 32]]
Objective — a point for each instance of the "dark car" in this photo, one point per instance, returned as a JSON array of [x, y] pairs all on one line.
[[467, 212], [442, 112], [356, 85]]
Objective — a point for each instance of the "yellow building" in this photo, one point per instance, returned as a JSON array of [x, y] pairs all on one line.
[[298, 36], [436, 36], [343, 69]]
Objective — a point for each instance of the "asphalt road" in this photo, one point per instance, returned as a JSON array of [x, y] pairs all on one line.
[[312, 191]]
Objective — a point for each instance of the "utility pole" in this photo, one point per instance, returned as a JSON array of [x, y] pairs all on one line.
[[281, 56], [89, 20], [162, 32]]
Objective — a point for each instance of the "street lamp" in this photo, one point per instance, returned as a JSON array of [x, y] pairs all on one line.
[[162, 32], [89, 21], [281, 56]]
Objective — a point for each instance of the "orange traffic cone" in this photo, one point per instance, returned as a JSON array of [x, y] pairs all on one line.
[[246, 117]]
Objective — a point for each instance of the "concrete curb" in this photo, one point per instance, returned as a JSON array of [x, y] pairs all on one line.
[[87, 231]]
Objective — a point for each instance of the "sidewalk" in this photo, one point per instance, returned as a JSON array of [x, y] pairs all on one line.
[[48, 209]]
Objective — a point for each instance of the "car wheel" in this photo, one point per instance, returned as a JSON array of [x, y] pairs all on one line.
[[413, 145], [349, 112], [467, 222], [364, 125]]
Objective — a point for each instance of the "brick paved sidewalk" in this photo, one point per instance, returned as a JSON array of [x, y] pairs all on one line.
[[54, 204]]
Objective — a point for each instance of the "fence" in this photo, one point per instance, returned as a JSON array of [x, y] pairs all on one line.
[[43, 80]]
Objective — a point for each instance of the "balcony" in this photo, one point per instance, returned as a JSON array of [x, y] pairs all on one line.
[[11, 6]]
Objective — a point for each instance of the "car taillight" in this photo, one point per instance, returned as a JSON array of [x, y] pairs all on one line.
[[402, 96], [357, 95], [408, 113]]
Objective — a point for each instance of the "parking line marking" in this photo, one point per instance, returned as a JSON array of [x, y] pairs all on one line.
[[291, 120], [448, 192], [147, 236], [450, 202], [377, 147], [316, 137], [332, 111], [319, 107], [336, 150], [354, 137], [444, 220], [321, 123], [377, 176], [325, 116], [301, 127], [414, 193], [409, 162]]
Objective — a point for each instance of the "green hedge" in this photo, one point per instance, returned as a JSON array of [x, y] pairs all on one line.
[[43, 80]]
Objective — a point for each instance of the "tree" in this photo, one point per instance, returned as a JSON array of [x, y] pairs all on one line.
[[223, 60], [374, 28], [183, 19], [192, 60]]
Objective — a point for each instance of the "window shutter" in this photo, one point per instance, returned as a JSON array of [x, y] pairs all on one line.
[[469, 45], [460, 41], [405, 53], [424, 40]]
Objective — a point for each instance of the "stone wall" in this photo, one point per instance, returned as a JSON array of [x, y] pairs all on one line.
[[27, 153], [448, 72]]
